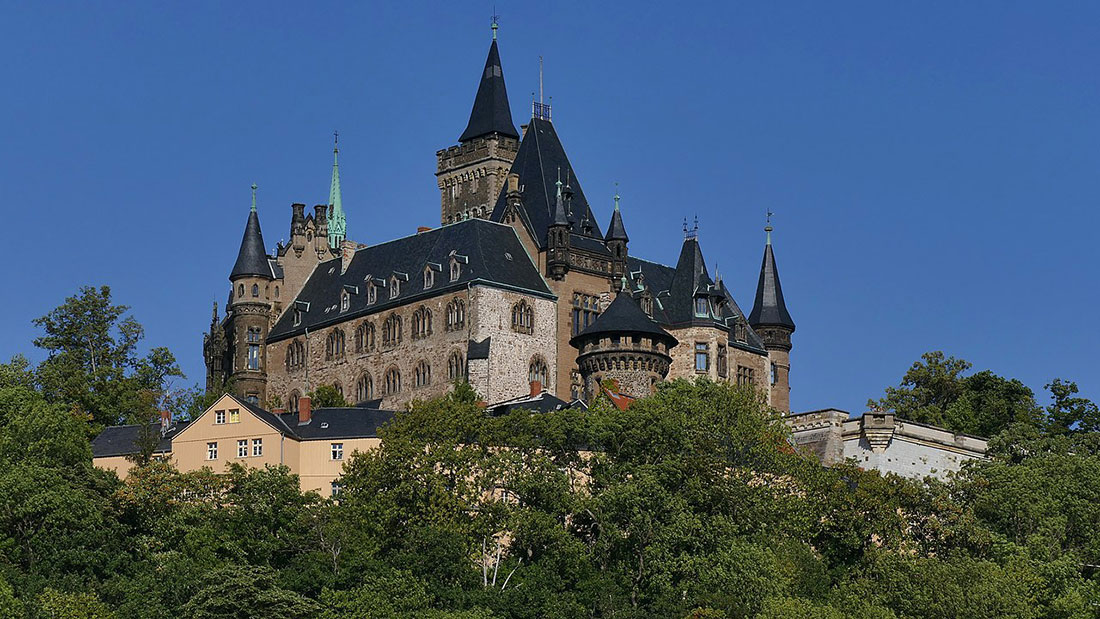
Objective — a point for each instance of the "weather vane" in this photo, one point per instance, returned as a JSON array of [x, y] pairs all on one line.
[[495, 23]]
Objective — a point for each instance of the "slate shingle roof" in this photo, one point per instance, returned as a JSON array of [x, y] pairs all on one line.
[[252, 258], [123, 440], [541, 403], [624, 316], [490, 113], [334, 423], [537, 163], [770, 309], [487, 252]]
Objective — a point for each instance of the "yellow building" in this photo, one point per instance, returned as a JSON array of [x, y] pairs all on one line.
[[313, 444]]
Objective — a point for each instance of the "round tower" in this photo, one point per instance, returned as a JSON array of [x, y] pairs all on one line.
[[249, 316], [772, 322], [625, 346]]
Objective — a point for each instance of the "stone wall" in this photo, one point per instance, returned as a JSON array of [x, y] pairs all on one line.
[[488, 314], [683, 356], [471, 175]]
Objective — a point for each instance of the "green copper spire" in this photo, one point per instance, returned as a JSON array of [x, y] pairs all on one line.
[[337, 224], [253, 197]]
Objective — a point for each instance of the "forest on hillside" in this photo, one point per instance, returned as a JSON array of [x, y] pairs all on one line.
[[692, 503]]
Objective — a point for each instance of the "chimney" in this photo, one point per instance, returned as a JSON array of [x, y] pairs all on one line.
[[165, 422], [423, 229], [347, 252], [304, 411], [278, 411], [536, 388]]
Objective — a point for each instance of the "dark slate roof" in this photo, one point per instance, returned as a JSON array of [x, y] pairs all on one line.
[[122, 440], [616, 231], [588, 243], [769, 309], [491, 113], [489, 253], [478, 350], [542, 403], [252, 258], [332, 423], [537, 163], [673, 291], [623, 316]]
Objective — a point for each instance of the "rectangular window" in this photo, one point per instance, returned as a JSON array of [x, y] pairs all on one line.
[[337, 451], [702, 357], [253, 356], [723, 367], [211, 451], [242, 448], [745, 376], [774, 377], [257, 447], [586, 309], [336, 488], [234, 415], [219, 417], [701, 308]]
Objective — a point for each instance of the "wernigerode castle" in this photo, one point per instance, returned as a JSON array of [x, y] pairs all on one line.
[[519, 290]]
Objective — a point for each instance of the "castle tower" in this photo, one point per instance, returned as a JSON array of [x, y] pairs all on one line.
[[249, 317], [471, 174], [616, 241], [772, 322], [623, 345]]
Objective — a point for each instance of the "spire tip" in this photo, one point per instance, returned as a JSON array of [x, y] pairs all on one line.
[[254, 197]]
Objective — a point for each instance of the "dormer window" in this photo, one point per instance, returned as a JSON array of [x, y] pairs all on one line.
[[297, 317], [372, 293], [345, 301], [701, 308], [429, 278], [456, 270], [395, 287]]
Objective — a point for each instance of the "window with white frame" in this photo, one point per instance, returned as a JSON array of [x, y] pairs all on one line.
[[242, 448], [336, 488], [257, 447], [212, 451], [219, 417], [337, 451]]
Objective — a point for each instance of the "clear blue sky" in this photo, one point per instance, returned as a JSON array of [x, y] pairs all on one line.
[[933, 166]]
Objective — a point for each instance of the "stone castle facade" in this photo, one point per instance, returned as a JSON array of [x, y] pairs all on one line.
[[511, 290]]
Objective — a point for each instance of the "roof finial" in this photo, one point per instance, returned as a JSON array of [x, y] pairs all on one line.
[[768, 227], [494, 25], [558, 184], [253, 197], [685, 227], [335, 141], [616, 196], [717, 273]]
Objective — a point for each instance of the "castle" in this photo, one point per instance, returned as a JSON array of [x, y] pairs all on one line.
[[518, 289]]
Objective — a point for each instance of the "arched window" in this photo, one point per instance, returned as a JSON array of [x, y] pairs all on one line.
[[295, 355], [276, 292], [297, 317], [456, 270], [364, 337], [338, 387], [393, 381], [456, 366], [391, 331], [423, 374], [345, 301], [255, 290], [364, 388], [422, 322], [429, 278], [395, 287], [523, 318], [334, 345], [701, 306], [240, 291], [292, 404], [372, 293], [456, 315], [537, 370], [647, 303]]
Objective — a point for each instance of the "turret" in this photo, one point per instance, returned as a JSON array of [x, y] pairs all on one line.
[[557, 238], [624, 346], [772, 322], [249, 315], [616, 240]]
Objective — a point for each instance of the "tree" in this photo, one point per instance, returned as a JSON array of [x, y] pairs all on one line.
[[1069, 413], [327, 396], [93, 362], [934, 391], [243, 592]]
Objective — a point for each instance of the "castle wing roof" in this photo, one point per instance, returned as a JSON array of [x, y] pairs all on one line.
[[488, 253], [491, 113], [540, 158]]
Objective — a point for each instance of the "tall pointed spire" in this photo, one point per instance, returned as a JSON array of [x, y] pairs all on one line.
[[491, 113], [616, 231], [337, 224], [252, 257], [561, 216], [769, 309]]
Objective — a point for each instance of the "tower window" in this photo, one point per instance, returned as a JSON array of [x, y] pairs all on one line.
[[253, 348], [723, 367], [240, 291], [702, 357], [276, 292], [255, 290], [537, 370], [773, 378]]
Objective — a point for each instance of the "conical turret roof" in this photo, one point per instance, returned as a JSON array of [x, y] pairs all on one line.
[[623, 316], [769, 309], [616, 231], [491, 113], [252, 257]]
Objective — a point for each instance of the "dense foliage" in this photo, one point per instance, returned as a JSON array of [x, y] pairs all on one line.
[[689, 504]]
